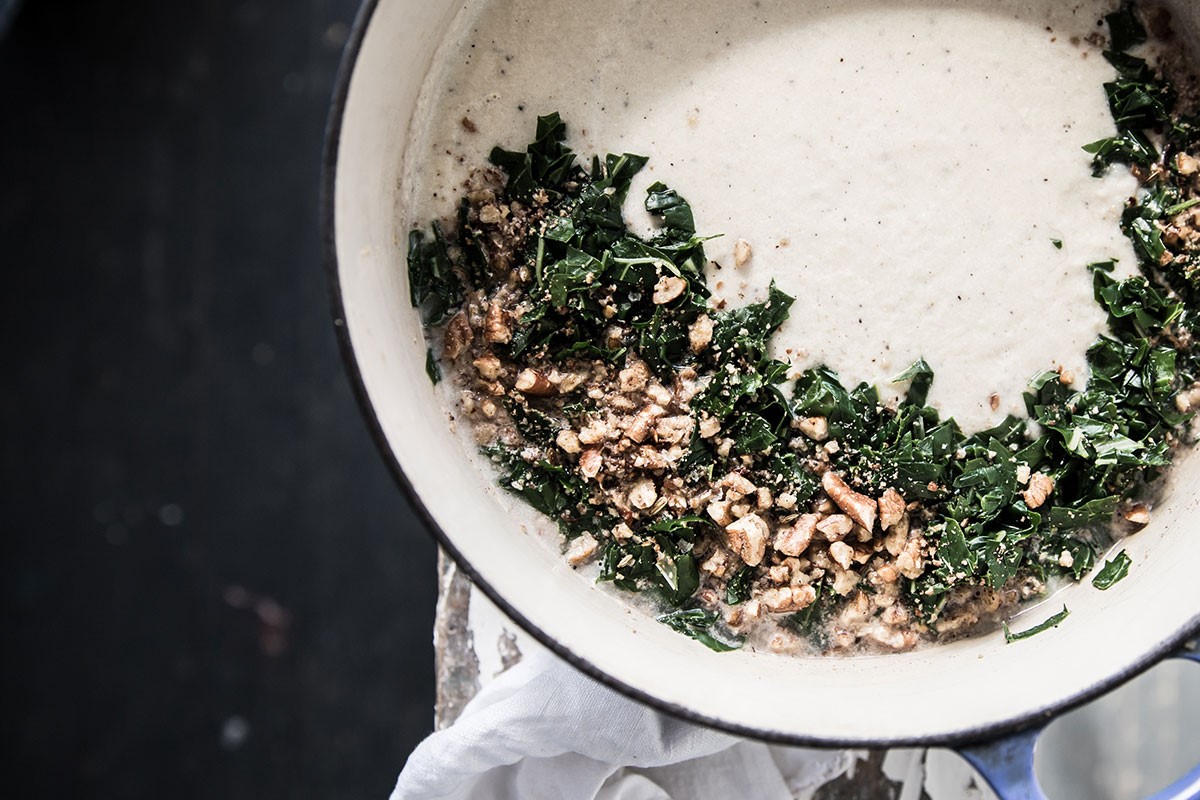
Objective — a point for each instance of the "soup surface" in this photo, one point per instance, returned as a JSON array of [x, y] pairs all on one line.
[[901, 169]]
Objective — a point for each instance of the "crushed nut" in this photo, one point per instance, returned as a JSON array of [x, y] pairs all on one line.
[[835, 527], [794, 539], [582, 549], [674, 430], [643, 494], [719, 512], [858, 507], [568, 440], [667, 289], [842, 553], [736, 486], [532, 381], [495, 325], [659, 394], [458, 336], [709, 427], [639, 429], [594, 432], [815, 428], [717, 563], [785, 599], [891, 508], [1137, 515], [1188, 401], [763, 499], [1040, 487], [488, 367], [700, 333], [590, 463], [742, 252], [910, 562], [748, 538], [634, 377]]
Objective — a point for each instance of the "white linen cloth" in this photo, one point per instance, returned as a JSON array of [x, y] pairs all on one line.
[[545, 731]]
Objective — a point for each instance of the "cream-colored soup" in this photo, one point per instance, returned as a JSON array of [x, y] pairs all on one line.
[[901, 168]]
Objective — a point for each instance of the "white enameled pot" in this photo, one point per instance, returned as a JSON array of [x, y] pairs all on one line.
[[965, 691]]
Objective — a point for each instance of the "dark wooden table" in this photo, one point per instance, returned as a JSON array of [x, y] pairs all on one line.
[[211, 586]]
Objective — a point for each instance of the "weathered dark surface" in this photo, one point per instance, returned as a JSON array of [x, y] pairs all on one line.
[[456, 665], [211, 587], [867, 782]]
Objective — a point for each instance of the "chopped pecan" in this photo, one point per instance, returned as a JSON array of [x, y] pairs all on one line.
[[643, 493], [643, 422], [495, 325], [590, 462], [700, 333], [842, 553], [736, 486], [793, 540], [858, 507], [835, 527], [748, 538], [783, 599], [534, 382], [582, 549], [742, 253], [488, 367], [667, 289], [1040, 487], [634, 377], [891, 508], [815, 428], [674, 430], [458, 336], [568, 440]]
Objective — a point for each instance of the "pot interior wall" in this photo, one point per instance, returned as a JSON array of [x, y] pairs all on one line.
[[932, 694]]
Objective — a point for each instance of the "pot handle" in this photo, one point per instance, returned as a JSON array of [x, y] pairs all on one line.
[[1006, 764]]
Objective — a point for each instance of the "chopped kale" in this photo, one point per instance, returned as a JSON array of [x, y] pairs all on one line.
[[737, 589], [700, 625], [546, 163], [920, 378], [434, 287], [1125, 30], [536, 426], [1114, 569], [432, 369], [1053, 622]]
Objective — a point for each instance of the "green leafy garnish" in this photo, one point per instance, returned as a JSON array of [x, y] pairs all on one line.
[[1053, 622], [701, 626], [737, 589], [1125, 30], [431, 367], [433, 285], [545, 163], [1114, 569]]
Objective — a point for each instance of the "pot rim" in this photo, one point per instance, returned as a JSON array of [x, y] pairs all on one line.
[[965, 736]]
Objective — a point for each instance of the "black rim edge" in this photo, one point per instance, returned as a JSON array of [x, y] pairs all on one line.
[[964, 737]]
